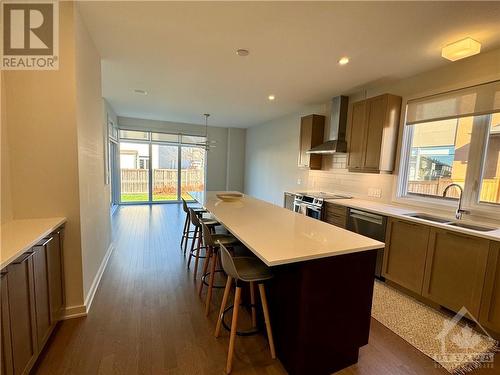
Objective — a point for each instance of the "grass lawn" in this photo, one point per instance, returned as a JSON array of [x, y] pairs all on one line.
[[143, 197]]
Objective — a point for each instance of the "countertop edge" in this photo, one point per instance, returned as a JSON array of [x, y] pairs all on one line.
[[59, 221]]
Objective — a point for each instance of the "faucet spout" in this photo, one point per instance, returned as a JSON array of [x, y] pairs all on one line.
[[459, 212]]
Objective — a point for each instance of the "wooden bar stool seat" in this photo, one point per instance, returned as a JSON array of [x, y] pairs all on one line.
[[252, 271]]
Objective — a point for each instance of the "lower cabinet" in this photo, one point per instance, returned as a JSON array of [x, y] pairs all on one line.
[[32, 302], [405, 253], [335, 215], [489, 316], [454, 273], [21, 292], [6, 366]]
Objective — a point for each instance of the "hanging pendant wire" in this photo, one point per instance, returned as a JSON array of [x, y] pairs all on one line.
[[207, 144]]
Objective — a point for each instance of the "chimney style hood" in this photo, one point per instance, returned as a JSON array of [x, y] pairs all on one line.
[[336, 142]]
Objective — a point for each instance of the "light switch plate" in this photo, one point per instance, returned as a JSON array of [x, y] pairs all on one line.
[[299, 181]]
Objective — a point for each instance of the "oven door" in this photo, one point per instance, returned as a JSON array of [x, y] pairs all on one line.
[[314, 212]]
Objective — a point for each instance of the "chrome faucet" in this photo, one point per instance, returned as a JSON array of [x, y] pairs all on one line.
[[459, 211]]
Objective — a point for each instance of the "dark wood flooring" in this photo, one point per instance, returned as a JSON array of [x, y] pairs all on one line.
[[147, 318]]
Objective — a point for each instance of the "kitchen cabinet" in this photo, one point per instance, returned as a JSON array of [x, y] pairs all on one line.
[[405, 253], [373, 133], [32, 302], [335, 214], [312, 129], [6, 344], [288, 201], [55, 268], [21, 302], [42, 300], [489, 315], [455, 269]]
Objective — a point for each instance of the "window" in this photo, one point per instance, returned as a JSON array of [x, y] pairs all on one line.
[[490, 179], [439, 155], [136, 135], [453, 138]]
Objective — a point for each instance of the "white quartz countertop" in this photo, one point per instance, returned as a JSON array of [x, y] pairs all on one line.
[[279, 236], [402, 211], [18, 236]]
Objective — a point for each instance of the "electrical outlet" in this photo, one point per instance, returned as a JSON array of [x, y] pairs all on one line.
[[375, 192], [299, 181]]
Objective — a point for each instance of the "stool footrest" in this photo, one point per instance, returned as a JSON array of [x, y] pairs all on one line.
[[249, 332]]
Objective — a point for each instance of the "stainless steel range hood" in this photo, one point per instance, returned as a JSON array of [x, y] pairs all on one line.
[[336, 142]]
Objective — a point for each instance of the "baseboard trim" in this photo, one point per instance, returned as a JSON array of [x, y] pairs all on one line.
[[72, 312], [97, 278]]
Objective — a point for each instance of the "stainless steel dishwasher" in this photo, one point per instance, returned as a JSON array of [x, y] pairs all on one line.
[[369, 225]]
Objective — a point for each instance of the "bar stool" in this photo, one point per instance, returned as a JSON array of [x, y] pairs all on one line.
[[250, 270], [212, 242], [187, 231], [197, 238]]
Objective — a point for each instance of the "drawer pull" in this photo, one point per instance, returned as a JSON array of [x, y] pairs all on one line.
[[46, 241], [23, 258]]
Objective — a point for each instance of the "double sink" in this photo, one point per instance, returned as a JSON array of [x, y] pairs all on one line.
[[450, 223]]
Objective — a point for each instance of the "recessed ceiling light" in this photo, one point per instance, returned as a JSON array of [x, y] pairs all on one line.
[[140, 92], [343, 60], [242, 52], [271, 97], [461, 49]]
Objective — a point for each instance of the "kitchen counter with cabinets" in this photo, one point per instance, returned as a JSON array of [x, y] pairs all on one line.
[[19, 236], [32, 289], [403, 212]]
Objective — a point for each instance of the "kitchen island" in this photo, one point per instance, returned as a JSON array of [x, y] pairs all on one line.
[[321, 295]]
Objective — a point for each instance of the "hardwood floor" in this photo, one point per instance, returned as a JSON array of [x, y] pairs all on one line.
[[147, 318]]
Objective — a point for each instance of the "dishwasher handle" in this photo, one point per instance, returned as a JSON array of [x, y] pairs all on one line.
[[366, 216]]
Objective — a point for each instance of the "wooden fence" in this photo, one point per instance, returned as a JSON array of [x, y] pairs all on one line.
[[490, 191], [164, 180]]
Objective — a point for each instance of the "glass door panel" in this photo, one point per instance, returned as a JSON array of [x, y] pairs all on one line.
[[192, 170], [134, 170], [165, 159]]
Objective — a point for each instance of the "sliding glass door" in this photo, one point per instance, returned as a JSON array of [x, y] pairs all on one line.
[[160, 167], [134, 171], [192, 170], [165, 159]]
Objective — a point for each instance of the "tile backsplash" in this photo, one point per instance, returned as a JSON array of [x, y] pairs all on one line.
[[335, 177]]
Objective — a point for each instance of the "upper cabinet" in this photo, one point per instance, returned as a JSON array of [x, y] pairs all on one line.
[[373, 133], [312, 129]]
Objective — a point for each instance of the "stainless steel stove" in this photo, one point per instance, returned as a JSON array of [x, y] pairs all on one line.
[[312, 203]]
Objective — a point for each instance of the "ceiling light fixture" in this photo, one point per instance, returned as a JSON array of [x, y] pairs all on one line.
[[461, 49], [242, 52], [271, 97], [140, 92], [344, 60]]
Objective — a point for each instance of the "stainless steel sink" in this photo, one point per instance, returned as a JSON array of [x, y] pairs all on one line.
[[471, 226], [429, 218]]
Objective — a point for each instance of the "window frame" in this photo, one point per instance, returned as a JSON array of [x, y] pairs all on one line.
[[472, 186]]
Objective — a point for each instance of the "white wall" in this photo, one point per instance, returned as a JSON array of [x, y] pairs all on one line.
[[272, 148], [91, 126], [224, 162], [43, 149], [54, 149], [5, 183]]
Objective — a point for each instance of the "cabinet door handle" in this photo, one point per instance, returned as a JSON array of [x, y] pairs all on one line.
[[46, 241], [23, 258]]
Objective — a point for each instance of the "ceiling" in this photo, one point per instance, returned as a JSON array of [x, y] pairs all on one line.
[[183, 53]]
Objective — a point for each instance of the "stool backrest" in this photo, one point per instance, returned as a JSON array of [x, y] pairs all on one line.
[[184, 206], [194, 218], [207, 235], [227, 262]]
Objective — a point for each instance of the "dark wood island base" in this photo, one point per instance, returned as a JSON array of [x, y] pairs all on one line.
[[320, 312]]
